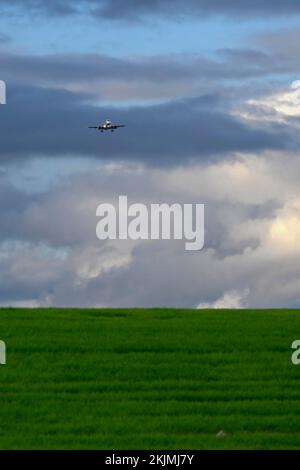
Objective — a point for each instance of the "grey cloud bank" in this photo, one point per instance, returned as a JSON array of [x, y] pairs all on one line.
[[54, 122], [73, 70], [54, 98], [50, 254], [187, 139]]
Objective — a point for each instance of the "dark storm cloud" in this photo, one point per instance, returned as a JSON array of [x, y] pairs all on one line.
[[133, 9], [172, 8], [78, 67], [116, 79], [39, 122], [52, 7], [43, 118], [62, 69]]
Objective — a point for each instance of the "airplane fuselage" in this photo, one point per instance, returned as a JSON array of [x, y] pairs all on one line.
[[107, 126]]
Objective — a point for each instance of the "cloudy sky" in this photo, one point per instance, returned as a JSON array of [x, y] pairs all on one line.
[[209, 94]]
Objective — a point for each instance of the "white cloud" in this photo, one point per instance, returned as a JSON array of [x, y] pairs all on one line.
[[284, 230], [230, 300], [244, 178], [91, 262], [278, 106]]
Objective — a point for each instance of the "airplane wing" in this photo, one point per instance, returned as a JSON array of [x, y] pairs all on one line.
[[116, 127], [93, 127]]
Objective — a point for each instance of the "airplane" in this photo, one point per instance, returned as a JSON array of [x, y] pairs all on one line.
[[107, 126]]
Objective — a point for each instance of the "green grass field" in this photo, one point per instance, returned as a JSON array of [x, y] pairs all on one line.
[[149, 379]]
